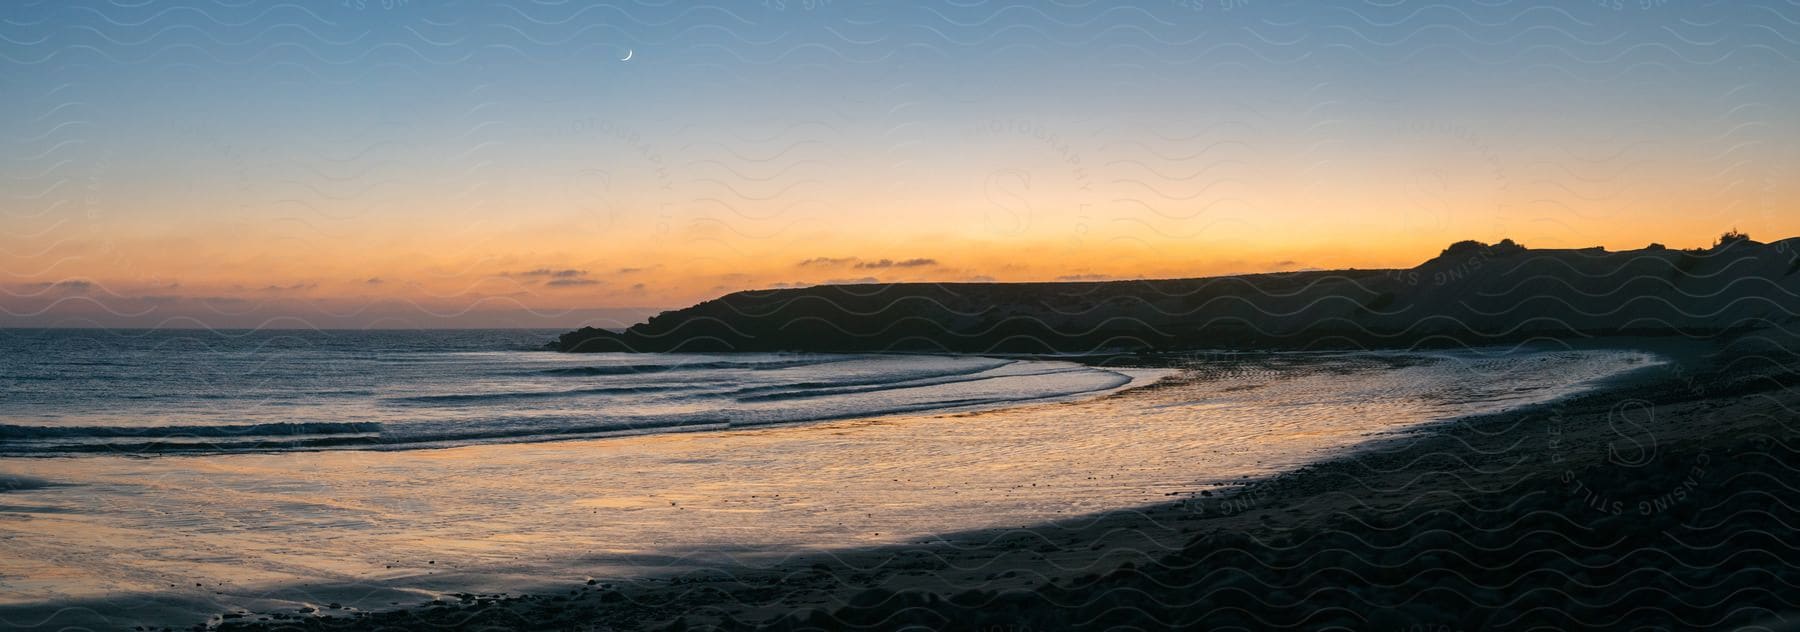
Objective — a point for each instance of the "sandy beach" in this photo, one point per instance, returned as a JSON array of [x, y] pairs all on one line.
[[1607, 509]]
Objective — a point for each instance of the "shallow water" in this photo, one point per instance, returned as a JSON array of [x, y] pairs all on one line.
[[368, 528]]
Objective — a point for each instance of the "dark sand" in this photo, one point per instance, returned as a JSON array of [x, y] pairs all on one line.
[[1659, 502]]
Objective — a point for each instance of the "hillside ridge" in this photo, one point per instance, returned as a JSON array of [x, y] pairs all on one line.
[[1470, 294]]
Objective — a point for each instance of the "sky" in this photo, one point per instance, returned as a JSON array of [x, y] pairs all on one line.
[[545, 163]]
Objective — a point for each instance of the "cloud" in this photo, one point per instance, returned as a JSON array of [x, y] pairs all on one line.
[[858, 263], [890, 263], [859, 281], [1285, 263], [564, 273], [296, 287], [565, 282], [630, 270], [75, 286], [1083, 277], [374, 281], [637, 287]]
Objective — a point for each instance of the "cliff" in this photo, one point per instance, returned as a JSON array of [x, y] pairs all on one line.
[[1471, 294]]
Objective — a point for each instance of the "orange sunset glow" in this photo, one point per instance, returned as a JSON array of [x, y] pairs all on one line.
[[1006, 213]]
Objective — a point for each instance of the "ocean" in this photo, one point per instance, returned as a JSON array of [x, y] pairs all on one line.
[[166, 477], [175, 391]]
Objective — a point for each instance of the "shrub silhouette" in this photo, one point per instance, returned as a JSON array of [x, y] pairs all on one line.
[[1507, 247], [1731, 237], [1470, 246], [1466, 245]]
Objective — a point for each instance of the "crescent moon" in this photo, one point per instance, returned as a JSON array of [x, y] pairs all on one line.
[[628, 53]]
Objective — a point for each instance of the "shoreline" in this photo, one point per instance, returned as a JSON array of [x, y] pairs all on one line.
[[1032, 558]]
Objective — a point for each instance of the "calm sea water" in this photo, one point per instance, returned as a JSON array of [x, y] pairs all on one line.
[[65, 391], [167, 477]]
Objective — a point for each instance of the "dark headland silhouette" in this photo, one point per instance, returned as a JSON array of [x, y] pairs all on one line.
[[1473, 293]]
